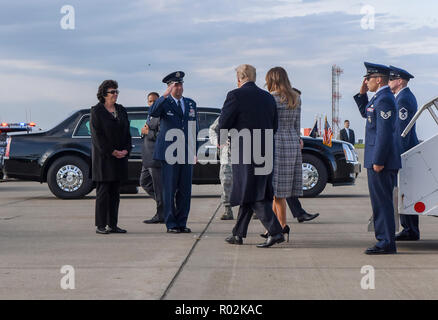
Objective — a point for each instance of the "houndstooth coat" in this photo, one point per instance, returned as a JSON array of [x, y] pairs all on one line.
[[288, 177]]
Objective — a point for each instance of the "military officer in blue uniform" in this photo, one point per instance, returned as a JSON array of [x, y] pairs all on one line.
[[176, 149], [406, 105], [382, 155]]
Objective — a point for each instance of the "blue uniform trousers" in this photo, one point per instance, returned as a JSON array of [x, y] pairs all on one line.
[[381, 186], [177, 192], [410, 225]]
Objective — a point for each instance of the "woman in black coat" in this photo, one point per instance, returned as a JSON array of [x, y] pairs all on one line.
[[111, 144]]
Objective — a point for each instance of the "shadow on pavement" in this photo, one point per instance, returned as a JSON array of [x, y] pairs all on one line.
[[343, 196]]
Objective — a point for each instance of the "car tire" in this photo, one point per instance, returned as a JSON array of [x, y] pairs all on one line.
[[314, 176], [69, 178]]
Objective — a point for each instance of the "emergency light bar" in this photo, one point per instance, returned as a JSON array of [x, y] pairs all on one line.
[[13, 127]]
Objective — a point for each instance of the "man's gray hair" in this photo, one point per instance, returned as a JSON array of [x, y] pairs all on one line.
[[246, 72]]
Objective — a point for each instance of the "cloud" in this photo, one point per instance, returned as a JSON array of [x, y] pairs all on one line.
[[425, 46], [21, 65]]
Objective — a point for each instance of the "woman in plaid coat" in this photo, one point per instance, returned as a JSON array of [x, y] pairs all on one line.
[[287, 177]]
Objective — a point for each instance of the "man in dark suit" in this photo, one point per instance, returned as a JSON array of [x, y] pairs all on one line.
[[249, 108], [176, 149], [347, 134], [298, 212], [406, 108], [151, 169], [382, 155]]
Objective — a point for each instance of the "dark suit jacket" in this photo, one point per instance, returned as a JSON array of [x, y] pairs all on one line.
[[109, 134], [149, 141], [249, 107], [344, 136], [172, 117]]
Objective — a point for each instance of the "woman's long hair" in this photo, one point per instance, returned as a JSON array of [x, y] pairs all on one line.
[[278, 81]]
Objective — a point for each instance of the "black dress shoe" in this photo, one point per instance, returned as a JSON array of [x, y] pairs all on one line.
[[278, 238], [228, 214], [116, 230], [377, 250], [307, 217], [185, 230], [102, 231], [173, 230], [153, 220], [404, 236], [234, 240]]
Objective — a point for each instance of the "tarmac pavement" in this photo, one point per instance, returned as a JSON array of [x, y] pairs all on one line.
[[323, 260]]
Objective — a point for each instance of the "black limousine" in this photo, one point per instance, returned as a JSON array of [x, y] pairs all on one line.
[[62, 157]]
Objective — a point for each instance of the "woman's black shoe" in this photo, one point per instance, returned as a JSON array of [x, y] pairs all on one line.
[[264, 235], [286, 230]]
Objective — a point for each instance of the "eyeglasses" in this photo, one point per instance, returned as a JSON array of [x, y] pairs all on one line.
[[113, 92], [369, 77], [394, 78]]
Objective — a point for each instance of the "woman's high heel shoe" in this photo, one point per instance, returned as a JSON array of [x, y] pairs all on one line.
[[264, 235], [286, 230]]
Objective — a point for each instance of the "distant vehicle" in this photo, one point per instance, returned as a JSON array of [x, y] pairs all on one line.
[[6, 128], [62, 157]]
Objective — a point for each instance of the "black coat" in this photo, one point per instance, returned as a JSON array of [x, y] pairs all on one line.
[[250, 107], [109, 134], [149, 141], [344, 137]]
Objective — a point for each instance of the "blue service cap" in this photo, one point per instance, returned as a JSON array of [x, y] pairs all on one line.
[[376, 68], [176, 76], [399, 73]]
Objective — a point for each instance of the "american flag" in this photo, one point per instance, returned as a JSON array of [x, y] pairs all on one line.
[[328, 134]]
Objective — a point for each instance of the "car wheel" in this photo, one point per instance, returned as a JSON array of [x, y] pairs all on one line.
[[314, 176], [68, 178]]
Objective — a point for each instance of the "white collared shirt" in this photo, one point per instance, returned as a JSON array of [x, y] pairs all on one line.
[[382, 89], [347, 130], [182, 103], [379, 91]]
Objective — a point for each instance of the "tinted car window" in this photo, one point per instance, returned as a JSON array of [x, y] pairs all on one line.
[[83, 129], [205, 119], [136, 122]]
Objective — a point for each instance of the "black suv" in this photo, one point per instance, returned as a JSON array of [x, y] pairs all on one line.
[[62, 157]]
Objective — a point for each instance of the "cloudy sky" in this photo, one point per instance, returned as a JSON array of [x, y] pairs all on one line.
[[49, 72]]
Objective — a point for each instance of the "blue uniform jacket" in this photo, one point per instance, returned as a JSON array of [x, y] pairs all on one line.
[[406, 109], [172, 117], [382, 147]]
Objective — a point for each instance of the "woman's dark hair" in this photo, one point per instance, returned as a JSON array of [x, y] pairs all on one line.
[[153, 93], [103, 88]]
